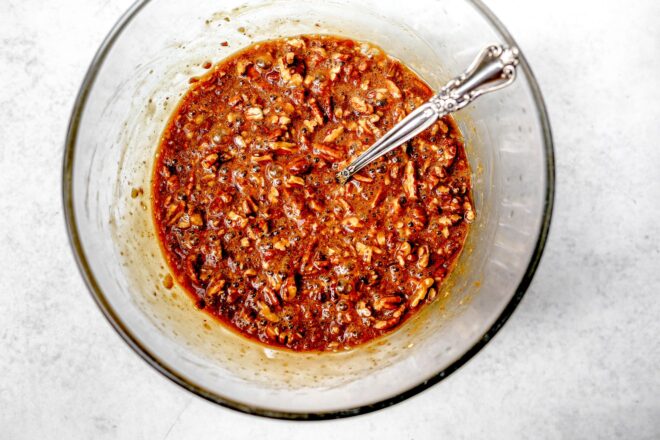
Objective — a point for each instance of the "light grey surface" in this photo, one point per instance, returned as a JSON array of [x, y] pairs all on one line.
[[579, 358]]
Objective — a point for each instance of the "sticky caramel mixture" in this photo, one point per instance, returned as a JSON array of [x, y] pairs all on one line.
[[256, 227]]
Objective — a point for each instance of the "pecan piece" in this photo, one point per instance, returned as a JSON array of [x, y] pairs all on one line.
[[409, 184], [360, 106], [421, 291], [299, 165], [254, 114], [292, 181], [326, 152], [333, 135], [364, 251], [289, 290], [282, 147], [423, 257], [393, 89], [387, 303], [265, 311]]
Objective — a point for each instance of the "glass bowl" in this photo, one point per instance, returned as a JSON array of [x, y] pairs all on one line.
[[131, 88]]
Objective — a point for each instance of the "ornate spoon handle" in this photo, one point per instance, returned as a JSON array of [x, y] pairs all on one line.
[[493, 69]]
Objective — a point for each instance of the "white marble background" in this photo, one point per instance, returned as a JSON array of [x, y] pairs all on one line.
[[580, 358]]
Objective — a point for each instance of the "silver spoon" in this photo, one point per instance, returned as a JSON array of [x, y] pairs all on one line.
[[493, 69]]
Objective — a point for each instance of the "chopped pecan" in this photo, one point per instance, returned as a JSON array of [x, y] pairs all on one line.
[[360, 106], [254, 114], [299, 165], [409, 183], [326, 152], [393, 89], [333, 135], [421, 291]]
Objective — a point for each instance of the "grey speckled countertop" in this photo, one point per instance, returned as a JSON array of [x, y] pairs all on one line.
[[580, 358]]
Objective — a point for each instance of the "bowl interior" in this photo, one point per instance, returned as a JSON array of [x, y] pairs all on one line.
[[133, 86]]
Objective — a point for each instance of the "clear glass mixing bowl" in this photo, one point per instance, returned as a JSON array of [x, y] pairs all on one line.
[[132, 86]]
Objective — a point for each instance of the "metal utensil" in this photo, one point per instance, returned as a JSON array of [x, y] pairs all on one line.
[[493, 69]]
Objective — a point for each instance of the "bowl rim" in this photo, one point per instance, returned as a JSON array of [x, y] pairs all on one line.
[[153, 359]]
